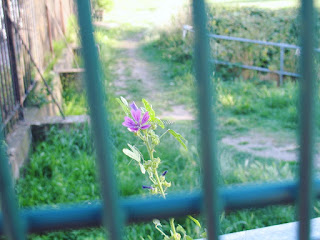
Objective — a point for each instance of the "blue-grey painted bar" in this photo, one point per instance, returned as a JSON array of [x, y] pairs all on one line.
[[207, 121], [282, 46], [261, 69], [96, 100], [281, 65], [76, 216], [12, 222], [307, 126], [246, 40]]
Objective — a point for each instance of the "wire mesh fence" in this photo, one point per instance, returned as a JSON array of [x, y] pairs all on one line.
[[26, 38]]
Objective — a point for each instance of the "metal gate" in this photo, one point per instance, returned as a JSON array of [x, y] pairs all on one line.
[[116, 212], [16, 79]]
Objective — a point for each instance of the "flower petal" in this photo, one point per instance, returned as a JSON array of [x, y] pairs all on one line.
[[134, 106], [136, 114], [145, 126], [128, 122], [133, 129], [145, 118]]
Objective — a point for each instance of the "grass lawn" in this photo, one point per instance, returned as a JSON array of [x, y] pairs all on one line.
[[62, 168]]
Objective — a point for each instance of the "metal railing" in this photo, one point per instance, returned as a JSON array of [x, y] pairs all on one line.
[[15, 65], [20, 56], [115, 212], [282, 46]]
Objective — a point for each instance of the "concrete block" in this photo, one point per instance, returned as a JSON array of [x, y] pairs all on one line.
[[286, 231]]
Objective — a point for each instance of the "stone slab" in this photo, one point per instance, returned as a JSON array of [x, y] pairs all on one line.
[[286, 231], [40, 129]]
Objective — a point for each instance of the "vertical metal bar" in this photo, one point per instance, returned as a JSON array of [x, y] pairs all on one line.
[[3, 83], [2, 97], [13, 225], [96, 100], [207, 120], [49, 29], [6, 90], [281, 65], [62, 18], [4, 75], [28, 28], [307, 126], [24, 75], [12, 55], [8, 100], [7, 70]]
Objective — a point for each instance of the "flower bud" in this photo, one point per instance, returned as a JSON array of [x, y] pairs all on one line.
[[167, 184], [153, 126], [154, 190], [155, 140], [164, 173]]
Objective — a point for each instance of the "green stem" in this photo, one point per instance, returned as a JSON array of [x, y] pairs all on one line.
[[173, 227], [163, 134], [161, 231], [159, 183], [150, 151]]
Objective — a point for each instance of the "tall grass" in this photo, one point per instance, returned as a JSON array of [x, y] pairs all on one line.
[[62, 170]]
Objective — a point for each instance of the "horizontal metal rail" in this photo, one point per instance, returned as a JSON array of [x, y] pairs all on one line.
[[282, 46], [76, 216], [260, 69], [239, 39]]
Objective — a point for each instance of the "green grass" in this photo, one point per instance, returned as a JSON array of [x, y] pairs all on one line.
[[62, 168]]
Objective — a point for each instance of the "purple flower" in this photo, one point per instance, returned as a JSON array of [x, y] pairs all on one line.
[[164, 173], [133, 106], [136, 122], [148, 187]]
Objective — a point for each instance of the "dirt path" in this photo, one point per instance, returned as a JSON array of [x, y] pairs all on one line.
[[267, 145], [138, 78]]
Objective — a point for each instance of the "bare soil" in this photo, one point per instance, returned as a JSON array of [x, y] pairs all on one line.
[[267, 145], [135, 73]]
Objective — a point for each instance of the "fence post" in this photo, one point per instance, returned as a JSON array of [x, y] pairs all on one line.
[[12, 56], [49, 29], [281, 65]]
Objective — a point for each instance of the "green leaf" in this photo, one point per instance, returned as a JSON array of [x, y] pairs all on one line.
[[124, 101], [124, 107], [188, 237], [181, 229], [195, 221], [143, 170], [159, 122], [134, 155], [150, 110], [179, 138], [134, 149], [156, 222]]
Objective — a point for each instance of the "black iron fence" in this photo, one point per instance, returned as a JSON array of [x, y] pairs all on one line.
[[26, 37], [16, 78]]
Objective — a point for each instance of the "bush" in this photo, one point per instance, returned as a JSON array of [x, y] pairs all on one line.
[[103, 4]]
